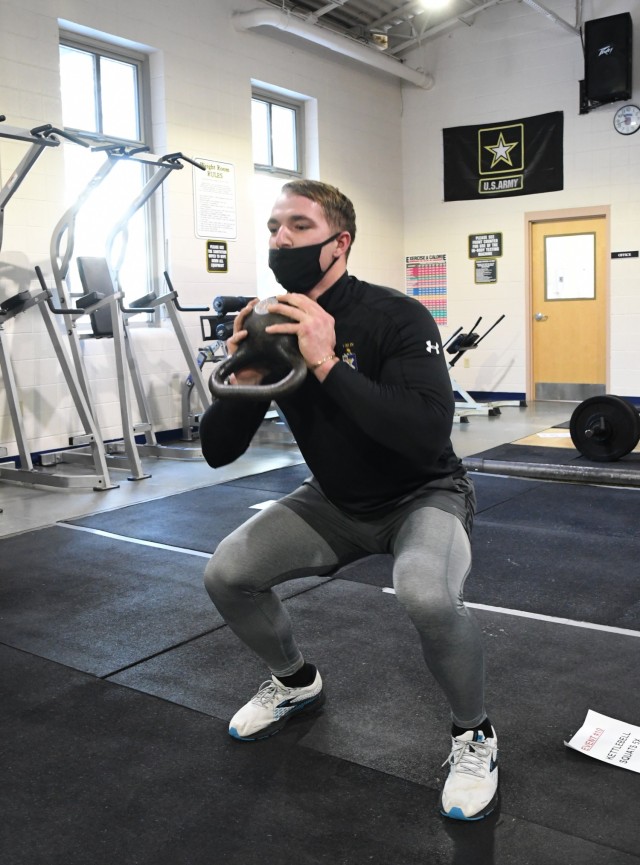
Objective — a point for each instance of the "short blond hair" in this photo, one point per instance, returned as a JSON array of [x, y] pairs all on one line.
[[337, 208]]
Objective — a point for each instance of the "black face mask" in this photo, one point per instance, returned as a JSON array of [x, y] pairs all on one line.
[[298, 268]]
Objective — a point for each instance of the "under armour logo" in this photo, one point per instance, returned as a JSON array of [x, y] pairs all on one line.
[[433, 346]]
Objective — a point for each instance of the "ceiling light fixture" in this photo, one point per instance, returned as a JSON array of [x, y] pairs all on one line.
[[380, 39]]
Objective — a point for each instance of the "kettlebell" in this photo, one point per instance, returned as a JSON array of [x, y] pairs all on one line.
[[275, 351]]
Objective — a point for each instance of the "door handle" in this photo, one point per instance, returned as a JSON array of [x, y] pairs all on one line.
[[539, 316]]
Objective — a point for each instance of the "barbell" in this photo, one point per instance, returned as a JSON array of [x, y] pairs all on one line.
[[605, 428], [276, 352]]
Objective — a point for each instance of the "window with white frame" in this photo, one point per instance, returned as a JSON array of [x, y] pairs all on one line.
[[102, 101], [277, 136]]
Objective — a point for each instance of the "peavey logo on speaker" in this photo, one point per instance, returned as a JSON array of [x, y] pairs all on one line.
[[518, 157], [606, 49]]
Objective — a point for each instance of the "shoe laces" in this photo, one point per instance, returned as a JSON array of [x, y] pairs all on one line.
[[469, 758], [266, 693]]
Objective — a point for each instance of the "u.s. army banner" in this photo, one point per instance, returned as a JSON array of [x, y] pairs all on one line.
[[519, 157]]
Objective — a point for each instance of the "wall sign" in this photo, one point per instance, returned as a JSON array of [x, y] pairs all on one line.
[[217, 256], [214, 192], [631, 253], [486, 270], [485, 245]]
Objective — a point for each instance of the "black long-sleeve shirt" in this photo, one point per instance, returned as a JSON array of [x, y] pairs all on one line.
[[377, 430]]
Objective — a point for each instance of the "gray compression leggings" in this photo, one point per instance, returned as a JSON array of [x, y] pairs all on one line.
[[432, 559]]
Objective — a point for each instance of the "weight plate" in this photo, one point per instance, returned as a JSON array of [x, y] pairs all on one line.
[[605, 428]]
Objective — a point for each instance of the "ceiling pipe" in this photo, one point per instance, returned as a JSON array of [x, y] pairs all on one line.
[[462, 18], [313, 17], [289, 23], [539, 7]]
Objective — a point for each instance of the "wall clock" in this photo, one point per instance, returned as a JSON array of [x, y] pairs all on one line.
[[626, 120]]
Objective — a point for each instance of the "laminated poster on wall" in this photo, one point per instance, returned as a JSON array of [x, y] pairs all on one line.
[[614, 742], [214, 193], [426, 281]]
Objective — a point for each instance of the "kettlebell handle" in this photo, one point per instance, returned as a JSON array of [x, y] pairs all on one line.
[[261, 349]]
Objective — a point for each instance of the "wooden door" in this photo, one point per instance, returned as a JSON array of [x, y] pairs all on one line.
[[569, 308]]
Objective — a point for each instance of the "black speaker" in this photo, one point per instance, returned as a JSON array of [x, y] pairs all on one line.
[[608, 50]]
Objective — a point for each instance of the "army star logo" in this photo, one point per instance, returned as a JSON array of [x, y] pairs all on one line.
[[501, 151], [501, 158]]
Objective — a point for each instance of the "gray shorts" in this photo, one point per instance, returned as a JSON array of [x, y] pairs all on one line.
[[351, 536]]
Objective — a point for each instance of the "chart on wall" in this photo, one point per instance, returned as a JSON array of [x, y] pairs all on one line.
[[426, 281]]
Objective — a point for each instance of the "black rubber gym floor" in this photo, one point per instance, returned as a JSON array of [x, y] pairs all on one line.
[[117, 679], [200, 518]]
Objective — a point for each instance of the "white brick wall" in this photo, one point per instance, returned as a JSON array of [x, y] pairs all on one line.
[[378, 140], [201, 70], [514, 62]]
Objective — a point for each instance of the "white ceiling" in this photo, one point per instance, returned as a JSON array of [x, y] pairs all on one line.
[[394, 26]]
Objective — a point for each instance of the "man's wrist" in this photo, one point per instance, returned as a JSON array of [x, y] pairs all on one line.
[[322, 369], [323, 360]]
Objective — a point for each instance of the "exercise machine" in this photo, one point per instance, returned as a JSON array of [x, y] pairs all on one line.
[[26, 473], [98, 282], [39, 139], [110, 318], [216, 329], [458, 345], [23, 470], [210, 353]]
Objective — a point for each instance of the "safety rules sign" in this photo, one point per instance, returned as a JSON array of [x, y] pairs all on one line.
[[214, 191]]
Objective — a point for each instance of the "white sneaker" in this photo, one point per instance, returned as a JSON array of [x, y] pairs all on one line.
[[471, 790], [271, 708]]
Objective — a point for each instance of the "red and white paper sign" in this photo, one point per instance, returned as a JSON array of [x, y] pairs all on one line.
[[609, 740]]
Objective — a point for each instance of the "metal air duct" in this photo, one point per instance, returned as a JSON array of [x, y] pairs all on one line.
[[289, 23]]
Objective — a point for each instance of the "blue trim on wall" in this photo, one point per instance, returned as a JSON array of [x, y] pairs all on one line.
[[169, 435], [495, 396], [176, 434]]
